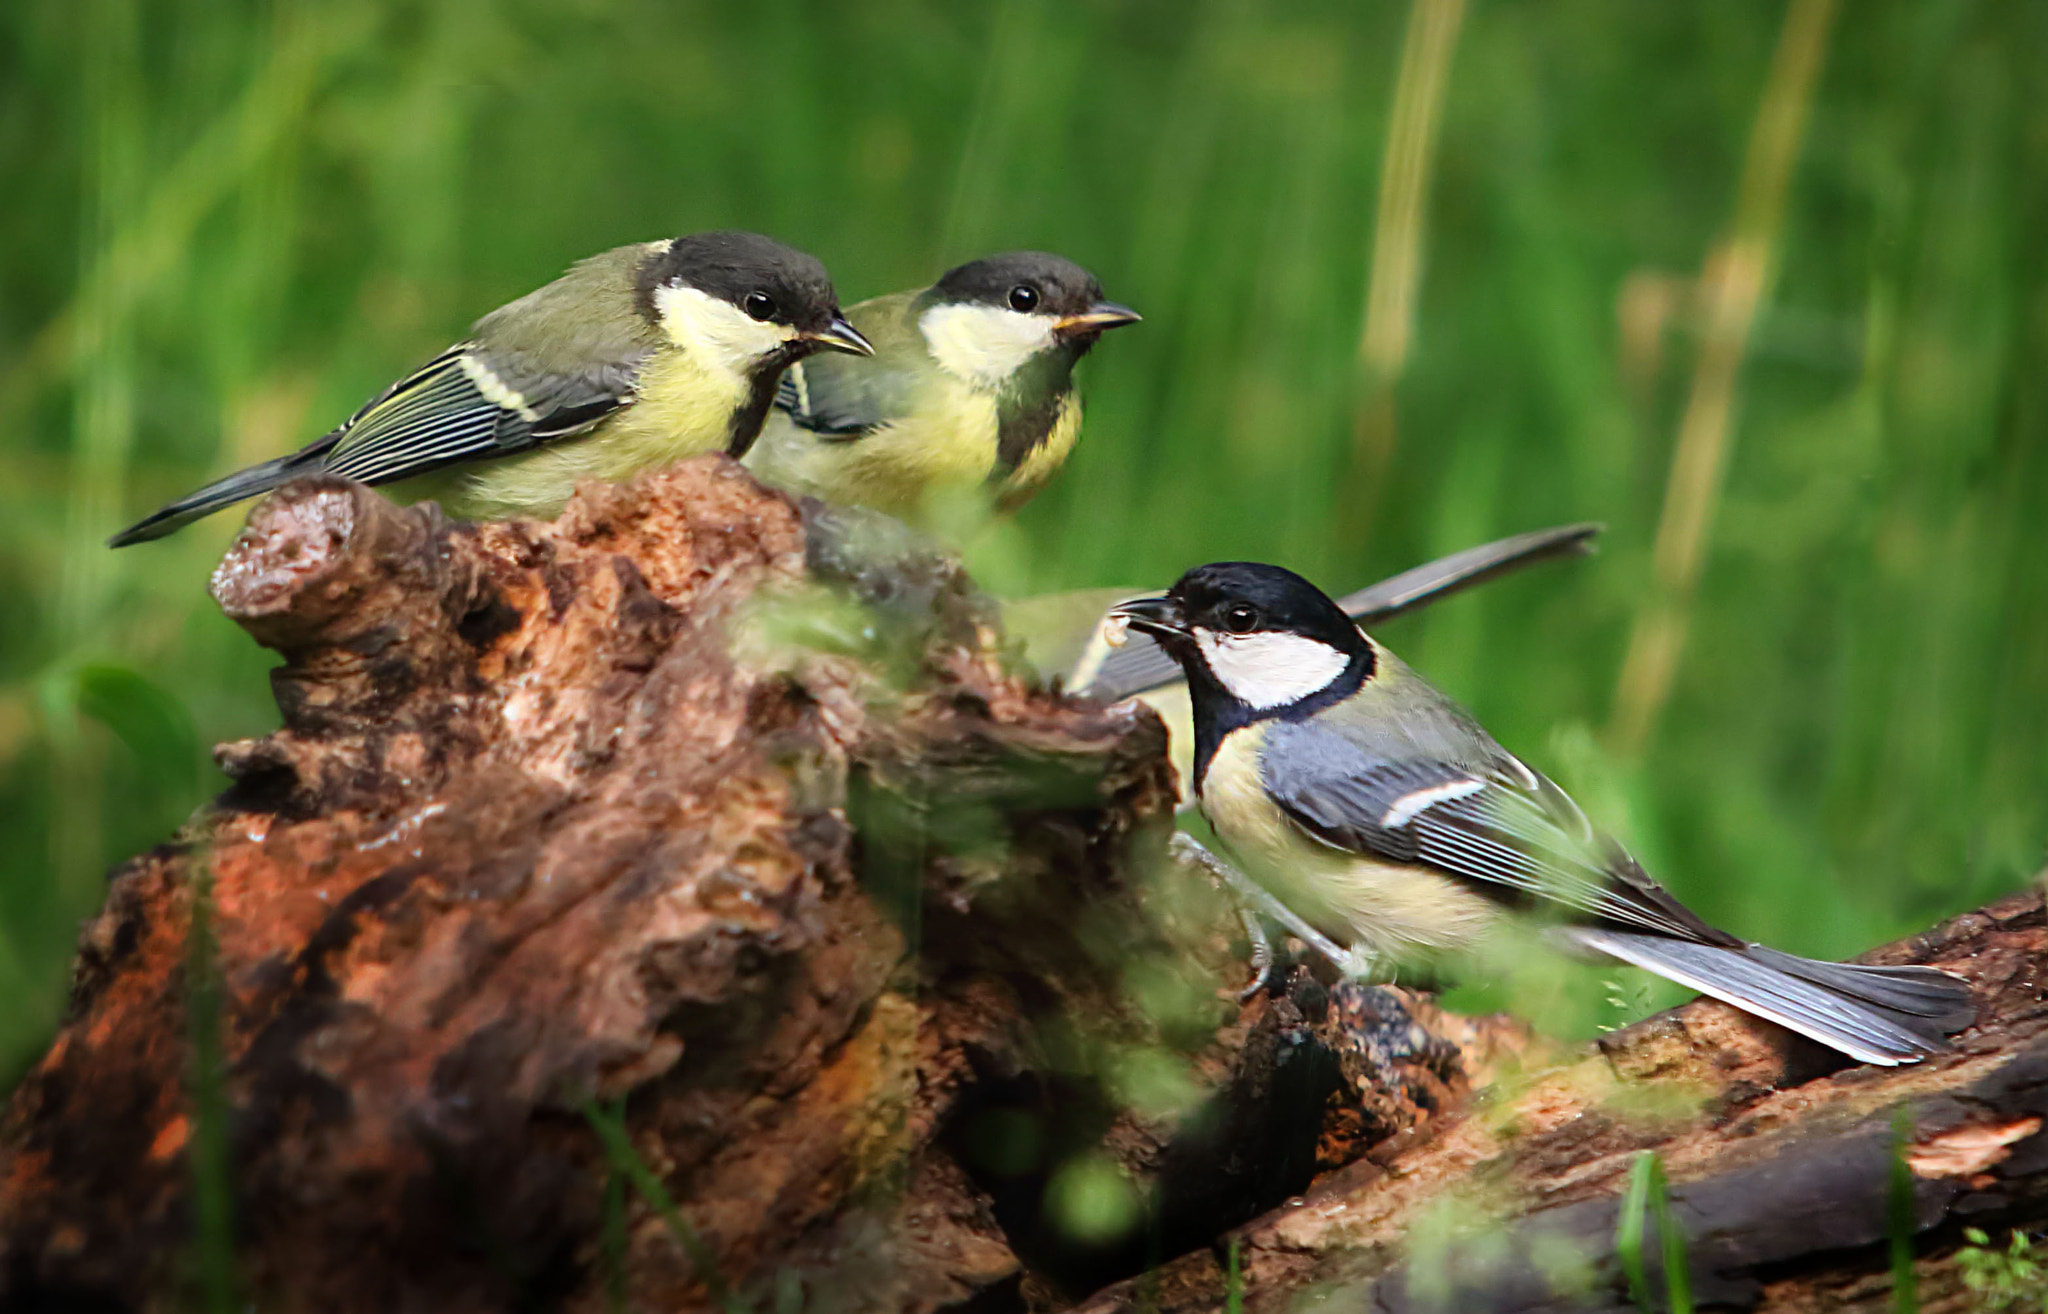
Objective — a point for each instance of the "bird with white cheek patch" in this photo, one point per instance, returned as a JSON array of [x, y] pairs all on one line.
[[634, 358], [1108, 662], [971, 388], [1378, 818]]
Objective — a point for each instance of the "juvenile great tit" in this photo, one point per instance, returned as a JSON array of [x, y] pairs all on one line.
[[1055, 640], [1381, 815], [971, 385], [634, 358]]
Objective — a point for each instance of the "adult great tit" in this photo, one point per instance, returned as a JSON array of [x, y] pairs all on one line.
[[1135, 667], [1381, 814], [634, 358], [971, 385]]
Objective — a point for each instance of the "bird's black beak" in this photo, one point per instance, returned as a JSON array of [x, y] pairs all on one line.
[[841, 336], [1161, 616], [1102, 315]]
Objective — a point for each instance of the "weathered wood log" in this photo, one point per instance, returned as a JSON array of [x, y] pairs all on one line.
[[1792, 1171], [564, 814], [731, 819]]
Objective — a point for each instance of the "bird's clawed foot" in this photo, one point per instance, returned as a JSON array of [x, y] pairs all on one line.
[[1255, 903]]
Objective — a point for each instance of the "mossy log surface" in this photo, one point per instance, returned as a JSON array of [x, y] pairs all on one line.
[[698, 809]]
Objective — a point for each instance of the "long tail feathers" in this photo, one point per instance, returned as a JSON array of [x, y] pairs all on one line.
[[1884, 1015], [237, 487]]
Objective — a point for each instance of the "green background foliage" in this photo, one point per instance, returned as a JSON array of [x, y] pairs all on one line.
[[230, 223]]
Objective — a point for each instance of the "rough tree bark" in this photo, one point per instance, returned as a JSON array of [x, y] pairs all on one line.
[[733, 820]]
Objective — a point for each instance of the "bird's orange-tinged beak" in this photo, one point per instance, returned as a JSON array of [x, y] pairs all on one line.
[[1102, 315]]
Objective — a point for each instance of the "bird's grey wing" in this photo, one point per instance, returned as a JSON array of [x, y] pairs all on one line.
[[1114, 674], [470, 402], [1492, 823], [847, 398]]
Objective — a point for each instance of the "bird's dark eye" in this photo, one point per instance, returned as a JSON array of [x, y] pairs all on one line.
[[1240, 618], [760, 305], [1024, 298]]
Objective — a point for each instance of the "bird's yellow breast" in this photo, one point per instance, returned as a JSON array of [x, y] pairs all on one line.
[[1397, 910], [946, 443], [680, 408]]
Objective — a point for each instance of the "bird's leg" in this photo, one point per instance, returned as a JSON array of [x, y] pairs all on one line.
[[1262, 952], [1254, 900]]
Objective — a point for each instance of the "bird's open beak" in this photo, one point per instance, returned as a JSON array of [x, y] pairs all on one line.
[[1160, 615], [841, 336], [1102, 315]]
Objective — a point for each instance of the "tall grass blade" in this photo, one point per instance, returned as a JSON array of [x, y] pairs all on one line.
[[613, 1242], [618, 1146], [1420, 87], [1677, 1268], [212, 1172], [1647, 1198], [1733, 288], [1900, 1220], [1628, 1231], [1395, 273]]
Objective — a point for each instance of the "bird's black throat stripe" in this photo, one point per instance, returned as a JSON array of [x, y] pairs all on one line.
[[1029, 404], [763, 381]]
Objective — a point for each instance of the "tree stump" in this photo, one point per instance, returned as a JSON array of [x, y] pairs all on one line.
[[690, 903]]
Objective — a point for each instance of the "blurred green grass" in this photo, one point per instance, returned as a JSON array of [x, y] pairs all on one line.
[[230, 224]]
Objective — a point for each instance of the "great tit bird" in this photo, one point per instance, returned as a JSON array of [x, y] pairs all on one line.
[[1063, 633], [1379, 813], [971, 386], [634, 358], [1136, 666]]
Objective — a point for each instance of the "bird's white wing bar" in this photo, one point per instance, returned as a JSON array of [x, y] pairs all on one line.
[[1408, 806], [496, 390]]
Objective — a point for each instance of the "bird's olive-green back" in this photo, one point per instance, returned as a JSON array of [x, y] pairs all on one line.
[[589, 318]]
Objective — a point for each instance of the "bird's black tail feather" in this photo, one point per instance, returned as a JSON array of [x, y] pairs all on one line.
[[237, 487], [1886, 1015]]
